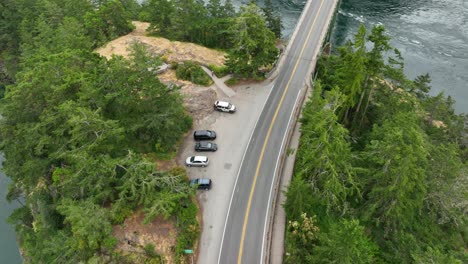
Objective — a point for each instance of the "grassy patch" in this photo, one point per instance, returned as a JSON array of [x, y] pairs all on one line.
[[220, 71], [192, 72], [188, 228], [232, 81]]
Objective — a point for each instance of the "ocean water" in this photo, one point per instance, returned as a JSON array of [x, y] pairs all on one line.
[[9, 253], [432, 36]]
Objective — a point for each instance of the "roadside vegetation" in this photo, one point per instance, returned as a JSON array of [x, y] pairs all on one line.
[[194, 73], [248, 35], [81, 133], [381, 170]]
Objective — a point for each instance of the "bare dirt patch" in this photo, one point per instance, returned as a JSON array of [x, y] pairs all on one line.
[[198, 100], [171, 50], [133, 235]]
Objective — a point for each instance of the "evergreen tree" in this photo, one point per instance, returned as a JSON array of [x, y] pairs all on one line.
[[109, 21], [397, 162], [351, 79], [160, 15], [344, 242], [89, 224], [375, 65], [324, 156], [188, 20], [253, 43]]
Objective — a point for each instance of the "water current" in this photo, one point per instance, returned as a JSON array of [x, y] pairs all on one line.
[[432, 36]]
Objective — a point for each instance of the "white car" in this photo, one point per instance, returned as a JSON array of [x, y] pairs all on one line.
[[224, 107], [197, 161]]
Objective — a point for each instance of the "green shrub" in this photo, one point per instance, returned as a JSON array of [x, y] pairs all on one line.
[[187, 226], [174, 64], [149, 250], [220, 71], [120, 212], [232, 81], [194, 73]]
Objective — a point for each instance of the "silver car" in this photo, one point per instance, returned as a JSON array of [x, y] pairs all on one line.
[[224, 107], [197, 161]]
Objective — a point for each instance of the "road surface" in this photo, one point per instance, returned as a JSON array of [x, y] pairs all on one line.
[[244, 232]]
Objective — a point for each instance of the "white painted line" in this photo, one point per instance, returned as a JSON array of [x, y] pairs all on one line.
[[238, 172], [274, 177]]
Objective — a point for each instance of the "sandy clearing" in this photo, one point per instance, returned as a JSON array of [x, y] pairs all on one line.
[[172, 51]]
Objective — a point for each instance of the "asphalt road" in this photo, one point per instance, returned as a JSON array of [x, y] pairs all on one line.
[[244, 232]]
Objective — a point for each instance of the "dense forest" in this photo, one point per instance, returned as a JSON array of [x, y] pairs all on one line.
[[381, 170], [81, 133]]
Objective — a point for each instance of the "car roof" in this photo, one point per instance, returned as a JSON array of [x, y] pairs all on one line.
[[200, 158], [222, 103], [204, 143], [198, 132], [203, 181]]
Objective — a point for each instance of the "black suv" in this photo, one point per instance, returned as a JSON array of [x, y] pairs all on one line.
[[204, 135], [202, 184], [205, 146]]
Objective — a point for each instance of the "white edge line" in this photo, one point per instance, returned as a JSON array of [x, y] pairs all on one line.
[[238, 172], [274, 178]]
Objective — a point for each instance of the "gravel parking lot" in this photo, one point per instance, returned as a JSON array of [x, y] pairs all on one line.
[[233, 133]]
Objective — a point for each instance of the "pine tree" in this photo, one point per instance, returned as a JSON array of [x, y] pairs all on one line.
[[324, 156], [253, 43], [395, 182]]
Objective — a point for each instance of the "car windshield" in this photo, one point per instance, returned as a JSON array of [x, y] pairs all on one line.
[[192, 159], [208, 145]]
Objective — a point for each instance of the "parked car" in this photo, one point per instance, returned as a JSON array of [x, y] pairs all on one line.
[[197, 161], [205, 146], [224, 107], [204, 135], [202, 184]]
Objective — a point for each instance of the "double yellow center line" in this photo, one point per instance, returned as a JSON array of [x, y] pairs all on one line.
[[259, 164]]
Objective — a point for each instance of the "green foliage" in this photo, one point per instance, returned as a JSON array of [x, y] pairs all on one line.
[[191, 20], [149, 250], [344, 242], [248, 36], [400, 174], [397, 161], [232, 81], [74, 130], [192, 72], [299, 198], [187, 227], [324, 155], [131, 96], [159, 13], [435, 256], [89, 223], [220, 71], [253, 44], [34, 27], [300, 238], [109, 21]]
